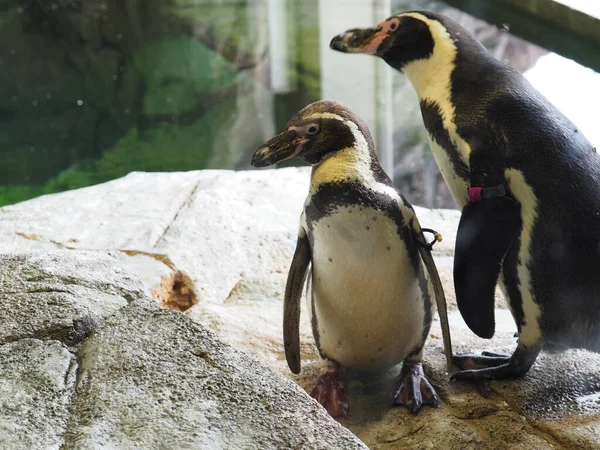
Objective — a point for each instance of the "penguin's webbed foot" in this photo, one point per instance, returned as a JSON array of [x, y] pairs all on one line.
[[330, 391], [490, 365], [486, 366], [415, 390], [486, 360]]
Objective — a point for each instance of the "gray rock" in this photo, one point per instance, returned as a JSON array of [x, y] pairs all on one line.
[[152, 378], [147, 377], [37, 380], [61, 295]]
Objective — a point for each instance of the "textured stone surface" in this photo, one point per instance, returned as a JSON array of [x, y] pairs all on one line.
[[60, 295], [135, 375], [37, 380], [255, 237], [171, 381]]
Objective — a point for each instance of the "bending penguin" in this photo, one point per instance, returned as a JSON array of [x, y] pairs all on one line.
[[526, 179], [370, 297]]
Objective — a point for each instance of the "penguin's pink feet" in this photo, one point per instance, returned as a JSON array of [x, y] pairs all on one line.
[[330, 392], [414, 390]]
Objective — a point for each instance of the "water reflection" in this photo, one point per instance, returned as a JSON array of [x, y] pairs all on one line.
[[93, 90]]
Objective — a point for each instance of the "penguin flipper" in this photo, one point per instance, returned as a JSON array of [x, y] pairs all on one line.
[[486, 230], [440, 300], [291, 303]]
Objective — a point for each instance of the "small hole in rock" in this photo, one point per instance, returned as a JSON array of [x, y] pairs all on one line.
[[175, 291]]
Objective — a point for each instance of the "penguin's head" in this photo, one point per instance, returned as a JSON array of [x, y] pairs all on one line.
[[318, 131], [401, 39]]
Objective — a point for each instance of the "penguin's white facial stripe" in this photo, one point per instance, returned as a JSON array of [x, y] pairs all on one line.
[[432, 79], [324, 115], [431, 76], [352, 163], [530, 332], [349, 163]]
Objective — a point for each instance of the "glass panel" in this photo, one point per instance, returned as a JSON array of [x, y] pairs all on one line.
[[93, 90]]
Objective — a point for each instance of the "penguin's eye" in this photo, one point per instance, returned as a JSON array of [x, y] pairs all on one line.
[[312, 129], [393, 26]]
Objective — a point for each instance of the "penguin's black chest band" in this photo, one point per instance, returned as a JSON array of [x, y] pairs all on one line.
[[479, 193]]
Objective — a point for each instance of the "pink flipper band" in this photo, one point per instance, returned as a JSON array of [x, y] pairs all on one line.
[[474, 194]]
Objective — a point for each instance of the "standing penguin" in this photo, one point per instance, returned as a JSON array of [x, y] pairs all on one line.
[[370, 299], [526, 179]]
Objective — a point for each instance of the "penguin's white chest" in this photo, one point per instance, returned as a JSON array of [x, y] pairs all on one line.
[[367, 299]]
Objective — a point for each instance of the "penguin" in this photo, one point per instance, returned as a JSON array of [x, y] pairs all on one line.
[[372, 278], [527, 182]]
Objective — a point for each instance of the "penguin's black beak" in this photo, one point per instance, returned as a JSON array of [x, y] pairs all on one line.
[[359, 40], [283, 146]]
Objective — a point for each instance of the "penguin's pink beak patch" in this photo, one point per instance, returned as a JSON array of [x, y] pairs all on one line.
[[365, 41], [373, 45]]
